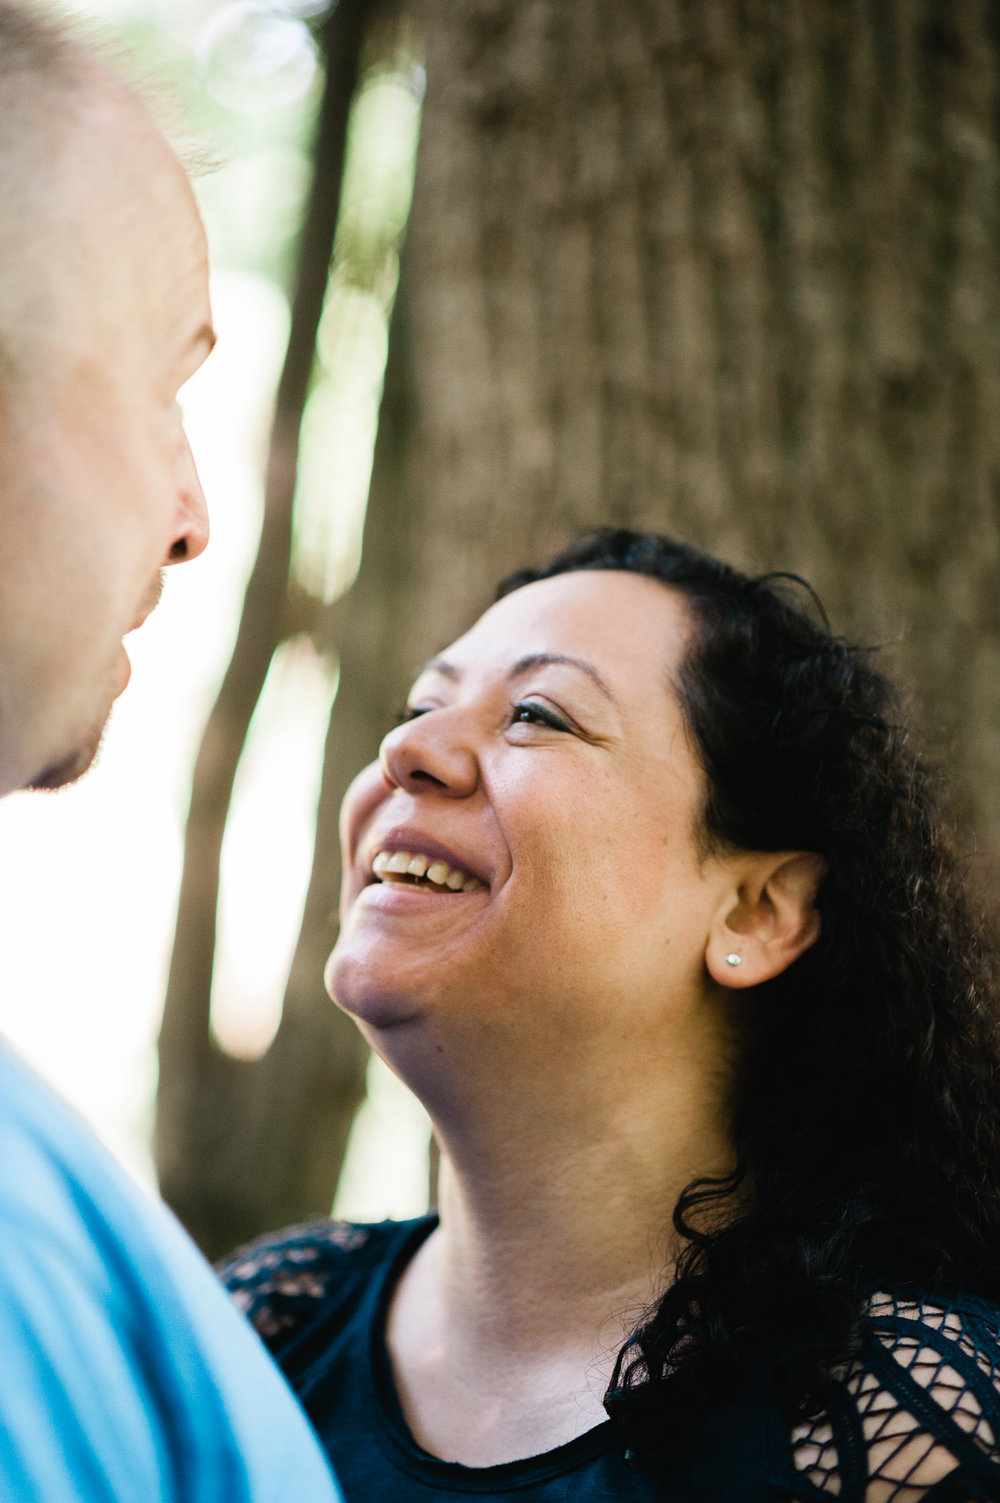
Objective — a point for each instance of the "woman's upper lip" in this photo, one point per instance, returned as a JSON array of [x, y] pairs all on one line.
[[405, 838]]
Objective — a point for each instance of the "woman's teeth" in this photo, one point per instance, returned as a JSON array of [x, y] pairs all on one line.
[[406, 866]]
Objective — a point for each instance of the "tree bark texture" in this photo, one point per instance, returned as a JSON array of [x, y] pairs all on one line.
[[728, 269], [724, 268], [225, 1155]]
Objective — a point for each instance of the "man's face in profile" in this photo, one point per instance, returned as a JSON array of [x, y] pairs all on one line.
[[98, 489]]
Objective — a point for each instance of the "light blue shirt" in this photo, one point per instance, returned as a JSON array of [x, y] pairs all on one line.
[[126, 1376]]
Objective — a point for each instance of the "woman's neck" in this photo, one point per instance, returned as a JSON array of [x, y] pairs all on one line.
[[556, 1222], [555, 1235]]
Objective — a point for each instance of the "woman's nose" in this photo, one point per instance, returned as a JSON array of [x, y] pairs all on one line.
[[432, 751]]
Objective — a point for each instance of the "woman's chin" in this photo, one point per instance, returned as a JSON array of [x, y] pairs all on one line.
[[359, 990]]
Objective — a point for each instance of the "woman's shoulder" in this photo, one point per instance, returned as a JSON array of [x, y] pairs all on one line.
[[915, 1415], [283, 1281]]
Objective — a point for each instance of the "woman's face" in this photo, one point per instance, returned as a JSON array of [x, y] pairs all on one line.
[[546, 785]]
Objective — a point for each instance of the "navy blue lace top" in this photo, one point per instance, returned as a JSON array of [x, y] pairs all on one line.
[[916, 1416]]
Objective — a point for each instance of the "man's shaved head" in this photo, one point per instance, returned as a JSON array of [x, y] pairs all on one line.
[[46, 72], [41, 56]]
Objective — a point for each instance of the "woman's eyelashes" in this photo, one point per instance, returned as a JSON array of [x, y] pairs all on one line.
[[522, 712], [410, 712], [530, 712]]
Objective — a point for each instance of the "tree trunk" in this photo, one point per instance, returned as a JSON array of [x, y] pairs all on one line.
[[215, 1130], [726, 270], [316, 1067], [730, 271]]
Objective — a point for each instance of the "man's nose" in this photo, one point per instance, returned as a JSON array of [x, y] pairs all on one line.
[[191, 532]]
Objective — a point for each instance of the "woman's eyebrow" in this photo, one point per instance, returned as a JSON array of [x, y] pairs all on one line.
[[442, 666], [544, 659], [526, 665]]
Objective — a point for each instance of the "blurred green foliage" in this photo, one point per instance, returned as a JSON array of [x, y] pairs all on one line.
[[237, 85]]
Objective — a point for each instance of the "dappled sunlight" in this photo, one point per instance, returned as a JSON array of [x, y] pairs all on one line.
[[267, 851], [387, 1165], [341, 418]]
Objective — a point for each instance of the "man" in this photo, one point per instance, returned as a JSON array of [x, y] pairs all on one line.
[[126, 1373]]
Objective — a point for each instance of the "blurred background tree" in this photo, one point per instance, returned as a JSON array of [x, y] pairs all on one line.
[[241, 1143], [728, 270]]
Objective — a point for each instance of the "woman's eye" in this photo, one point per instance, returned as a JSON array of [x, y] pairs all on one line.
[[527, 712], [410, 712]]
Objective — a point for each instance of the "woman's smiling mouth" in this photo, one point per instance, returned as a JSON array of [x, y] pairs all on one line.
[[413, 868]]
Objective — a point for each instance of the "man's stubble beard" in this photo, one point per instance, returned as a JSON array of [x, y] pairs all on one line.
[[72, 765], [71, 768]]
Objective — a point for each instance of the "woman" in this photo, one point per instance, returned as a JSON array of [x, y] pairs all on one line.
[[647, 901]]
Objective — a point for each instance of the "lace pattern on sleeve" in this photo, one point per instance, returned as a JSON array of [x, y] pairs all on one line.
[[278, 1281], [915, 1417]]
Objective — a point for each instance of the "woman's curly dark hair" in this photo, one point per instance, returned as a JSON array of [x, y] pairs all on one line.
[[867, 1110]]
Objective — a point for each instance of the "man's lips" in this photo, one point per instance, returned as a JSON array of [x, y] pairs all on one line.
[[141, 619], [124, 672]]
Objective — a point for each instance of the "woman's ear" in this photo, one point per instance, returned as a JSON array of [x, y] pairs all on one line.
[[768, 921]]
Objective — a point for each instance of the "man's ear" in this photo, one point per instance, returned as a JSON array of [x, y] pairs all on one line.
[[768, 919]]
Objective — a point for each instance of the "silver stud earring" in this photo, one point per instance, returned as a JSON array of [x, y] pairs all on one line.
[[734, 959]]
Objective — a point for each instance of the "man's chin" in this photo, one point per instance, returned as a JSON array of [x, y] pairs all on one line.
[[68, 769]]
